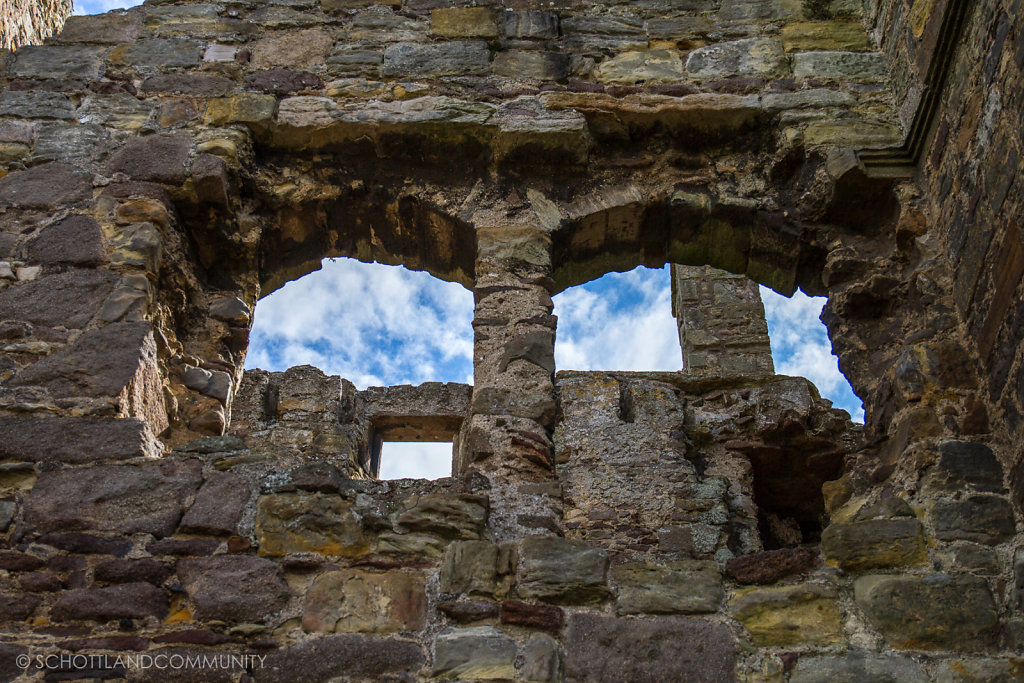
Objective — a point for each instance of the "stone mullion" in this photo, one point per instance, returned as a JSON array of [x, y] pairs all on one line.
[[508, 439]]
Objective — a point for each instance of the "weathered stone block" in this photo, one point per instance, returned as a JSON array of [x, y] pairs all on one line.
[[28, 104], [68, 299], [541, 660], [609, 649], [454, 58], [109, 28], [965, 463], [470, 567], [71, 142], [825, 35], [806, 613], [300, 50], [479, 653], [352, 600], [75, 240], [339, 656], [124, 601], [852, 66], [57, 61], [463, 22], [532, 64], [75, 440], [545, 617], [646, 66], [236, 588], [874, 543], [931, 612], [981, 518], [157, 53], [771, 565], [158, 158], [39, 187], [676, 588], [857, 666], [17, 606], [448, 516], [218, 506], [131, 571], [557, 570], [529, 24], [114, 498], [297, 523], [852, 133], [747, 57]]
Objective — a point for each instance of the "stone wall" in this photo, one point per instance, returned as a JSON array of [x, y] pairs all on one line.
[[163, 168], [26, 22]]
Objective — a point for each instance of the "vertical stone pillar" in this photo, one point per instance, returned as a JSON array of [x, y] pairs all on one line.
[[722, 328], [508, 436]]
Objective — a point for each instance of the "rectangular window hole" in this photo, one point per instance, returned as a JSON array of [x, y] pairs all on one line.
[[415, 460]]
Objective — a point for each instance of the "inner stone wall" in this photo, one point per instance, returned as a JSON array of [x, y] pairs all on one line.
[[163, 168]]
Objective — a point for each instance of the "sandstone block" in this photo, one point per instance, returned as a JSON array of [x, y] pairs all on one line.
[[296, 523], [463, 22], [113, 498], [236, 588], [74, 440], [982, 518], [17, 606], [75, 240], [470, 567], [340, 656], [132, 571], [453, 58], [529, 24], [545, 617], [249, 108], [531, 64], [675, 588], [852, 133], [70, 142], [124, 601], [157, 158], [874, 543], [57, 61], [608, 649], [157, 53], [931, 612], [790, 615], [110, 28], [849, 66], [642, 66], [283, 81], [28, 104], [478, 653], [69, 299], [965, 464], [53, 184], [857, 666], [352, 600], [825, 35], [771, 565], [460, 516], [541, 660], [218, 506], [762, 57], [301, 50], [557, 570]]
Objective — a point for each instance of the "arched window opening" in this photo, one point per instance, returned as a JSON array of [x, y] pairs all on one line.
[[382, 327], [620, 321]]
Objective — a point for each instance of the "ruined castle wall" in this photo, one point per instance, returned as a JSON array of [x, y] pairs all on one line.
[[28, 22], [166, 166], [970, 172]]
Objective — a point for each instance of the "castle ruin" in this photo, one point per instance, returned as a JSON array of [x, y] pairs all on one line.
[[166, 515]]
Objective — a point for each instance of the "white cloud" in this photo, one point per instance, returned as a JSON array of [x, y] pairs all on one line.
[[412, 460], [101, 6], [621, 321]]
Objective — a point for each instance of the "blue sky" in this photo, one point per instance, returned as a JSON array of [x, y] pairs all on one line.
[[383, 325], [100, 6]]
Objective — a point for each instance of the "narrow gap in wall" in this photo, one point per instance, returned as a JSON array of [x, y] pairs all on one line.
[[415, 460], [372, 324], [801, 347], [620, 321]]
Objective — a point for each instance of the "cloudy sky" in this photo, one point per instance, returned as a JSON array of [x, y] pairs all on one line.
[[100, 6], [382, 325]]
